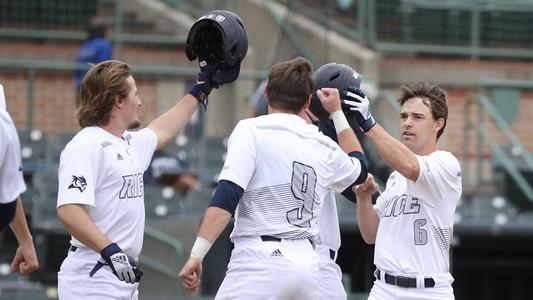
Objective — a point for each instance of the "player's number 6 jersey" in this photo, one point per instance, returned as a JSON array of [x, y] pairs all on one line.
[[416, 218]]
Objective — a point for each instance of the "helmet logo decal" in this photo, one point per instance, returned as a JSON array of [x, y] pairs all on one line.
[[220, 18]]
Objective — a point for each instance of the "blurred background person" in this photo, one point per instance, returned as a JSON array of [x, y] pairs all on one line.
[[170, 170], [257, 102], [95, 49]]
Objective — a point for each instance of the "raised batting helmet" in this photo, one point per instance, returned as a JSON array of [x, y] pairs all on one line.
[[218, 39], [332, 75]]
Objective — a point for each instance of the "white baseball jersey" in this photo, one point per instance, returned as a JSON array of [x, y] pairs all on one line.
[[286, 168], [329, 233], [416, 218], [105, 174], [11, 179]]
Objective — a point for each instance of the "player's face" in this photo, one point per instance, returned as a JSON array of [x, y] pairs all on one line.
[[417, 126], [132, 105]]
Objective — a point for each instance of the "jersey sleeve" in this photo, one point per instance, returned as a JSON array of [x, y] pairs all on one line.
[[78, 170], [343, 169], [241, 158], [144, 142], [440, 175], [11, 178]]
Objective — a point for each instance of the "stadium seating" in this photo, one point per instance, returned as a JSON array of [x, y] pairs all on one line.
[[161, 201], [56, 145], [33, 146]]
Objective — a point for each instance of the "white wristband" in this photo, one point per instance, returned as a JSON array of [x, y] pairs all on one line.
[[200, 248], [339, 120]]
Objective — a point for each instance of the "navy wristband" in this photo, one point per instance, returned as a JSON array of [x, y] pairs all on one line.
[[110, 250]]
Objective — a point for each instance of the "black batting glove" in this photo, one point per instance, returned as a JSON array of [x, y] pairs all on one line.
[[202, 88], [355, 102], [136, 269]]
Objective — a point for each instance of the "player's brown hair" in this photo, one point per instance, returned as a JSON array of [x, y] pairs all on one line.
[[433, 96], [99, 89], [290, 84]]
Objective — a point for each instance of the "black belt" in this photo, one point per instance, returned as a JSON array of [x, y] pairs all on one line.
[[405, 282], [269, 238], [332, 254], [73, 248]]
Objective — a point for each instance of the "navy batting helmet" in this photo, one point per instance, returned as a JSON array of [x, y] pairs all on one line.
[[332, 75], [218, 39]]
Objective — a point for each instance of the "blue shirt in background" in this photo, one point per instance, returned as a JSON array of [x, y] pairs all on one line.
[[93, 51]]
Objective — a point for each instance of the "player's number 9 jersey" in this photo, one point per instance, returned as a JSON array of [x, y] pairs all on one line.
[[286, 168]]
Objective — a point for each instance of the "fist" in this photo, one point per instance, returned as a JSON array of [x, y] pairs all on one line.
[[330, 99]]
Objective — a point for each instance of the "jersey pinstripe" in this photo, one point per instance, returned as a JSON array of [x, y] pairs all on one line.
[[286, 168], [416, 218]]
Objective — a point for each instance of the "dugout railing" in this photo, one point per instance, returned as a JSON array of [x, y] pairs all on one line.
[[486, 126], [451, 28], [474, 29]]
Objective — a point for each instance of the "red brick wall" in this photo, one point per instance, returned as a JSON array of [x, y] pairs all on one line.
[[54, 108], [453, 139]]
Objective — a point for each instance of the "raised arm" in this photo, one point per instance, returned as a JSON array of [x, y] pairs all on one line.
[[172, 122], [330, 99], [392, 151]]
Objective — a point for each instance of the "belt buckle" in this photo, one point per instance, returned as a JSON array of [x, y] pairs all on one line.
[[401, 281]]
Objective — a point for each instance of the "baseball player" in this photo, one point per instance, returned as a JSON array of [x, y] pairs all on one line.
[[100, 197], [412, 221], [11, 186], [278, 171], [340, 76]]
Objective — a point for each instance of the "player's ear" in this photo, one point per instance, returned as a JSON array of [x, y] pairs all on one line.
[[119, 101], [438, 125], [266, 98], [307, 103]]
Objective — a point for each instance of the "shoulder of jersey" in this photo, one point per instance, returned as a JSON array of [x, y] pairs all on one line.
[[84, 139], [446, 156]]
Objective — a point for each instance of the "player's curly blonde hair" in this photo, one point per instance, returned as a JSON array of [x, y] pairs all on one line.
[[99, 89], [290, 84], [430, 93]]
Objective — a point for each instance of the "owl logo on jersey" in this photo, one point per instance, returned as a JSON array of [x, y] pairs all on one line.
[[78, 183]]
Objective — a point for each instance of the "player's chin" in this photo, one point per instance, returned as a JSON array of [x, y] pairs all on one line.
[[134, 125], [410, 143]]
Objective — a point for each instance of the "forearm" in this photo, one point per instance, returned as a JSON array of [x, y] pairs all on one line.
[[367, 220], [345, 135], [348, 141], [19, 226], [169, 124], [395, 154], [82, 227], [215, 221]]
